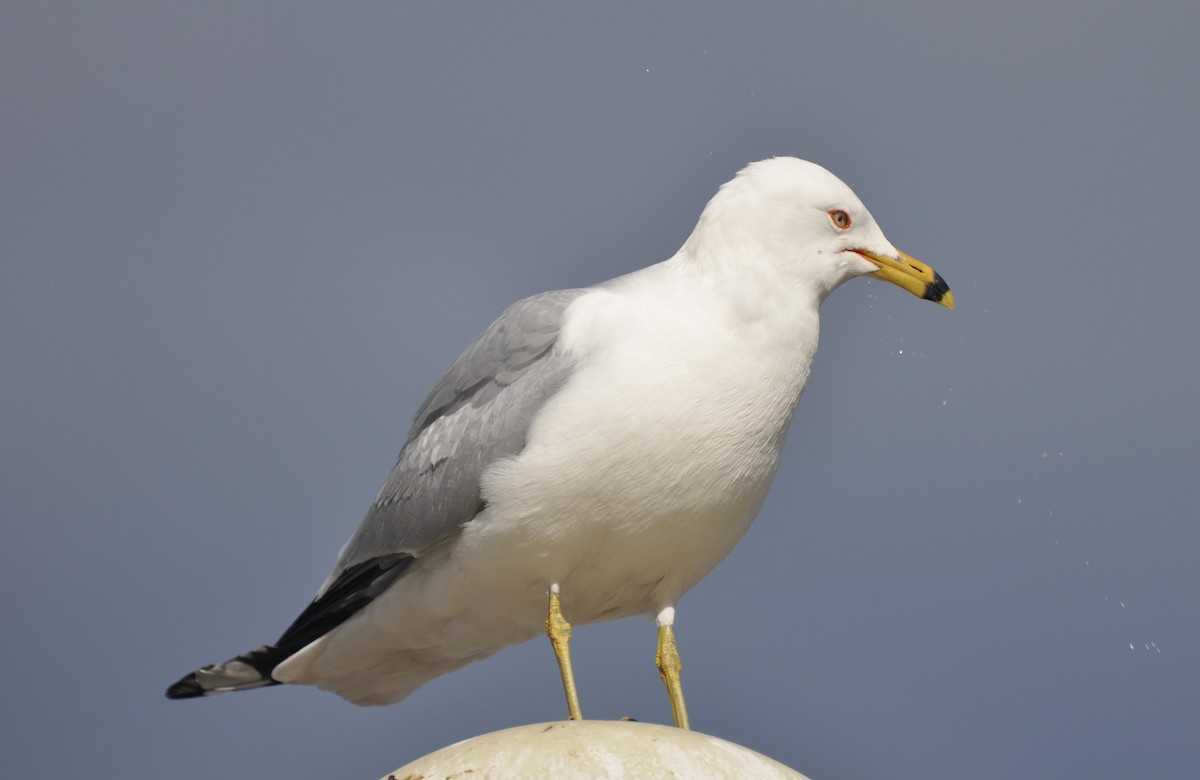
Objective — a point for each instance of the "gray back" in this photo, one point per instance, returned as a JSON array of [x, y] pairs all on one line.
[[480, 411]]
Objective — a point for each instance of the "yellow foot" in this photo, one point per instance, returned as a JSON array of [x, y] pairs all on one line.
[[559, 631], [669, 665]]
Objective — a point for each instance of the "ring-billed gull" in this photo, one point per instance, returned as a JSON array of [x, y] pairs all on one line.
[[592, 455]]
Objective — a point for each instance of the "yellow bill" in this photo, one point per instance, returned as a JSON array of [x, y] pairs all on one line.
[[910, 273]]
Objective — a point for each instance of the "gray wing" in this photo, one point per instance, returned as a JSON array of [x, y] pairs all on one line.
[[479, 411]]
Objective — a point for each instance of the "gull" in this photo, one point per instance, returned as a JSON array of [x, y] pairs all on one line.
[[591, 455]]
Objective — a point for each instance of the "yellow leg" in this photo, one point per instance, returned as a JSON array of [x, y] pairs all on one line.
[[667, 660], [559, 631]]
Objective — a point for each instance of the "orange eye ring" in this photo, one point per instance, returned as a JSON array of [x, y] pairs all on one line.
[[841, 220]]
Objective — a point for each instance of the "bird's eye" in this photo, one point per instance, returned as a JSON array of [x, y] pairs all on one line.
[[840, 218]]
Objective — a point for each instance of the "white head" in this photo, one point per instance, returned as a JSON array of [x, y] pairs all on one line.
[[808, 226]]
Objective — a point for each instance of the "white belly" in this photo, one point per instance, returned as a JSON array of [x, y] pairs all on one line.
[[647, 502]]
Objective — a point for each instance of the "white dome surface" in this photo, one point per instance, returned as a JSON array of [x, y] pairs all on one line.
[[595, 749]]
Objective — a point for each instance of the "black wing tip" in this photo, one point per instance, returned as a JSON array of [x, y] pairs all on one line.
[[243, 673], [190, 687], [187, 687], [354, 588]]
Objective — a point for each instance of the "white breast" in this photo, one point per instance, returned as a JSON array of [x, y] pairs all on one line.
[[648, 467]]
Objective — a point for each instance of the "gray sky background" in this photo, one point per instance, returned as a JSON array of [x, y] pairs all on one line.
[[239, 243]]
